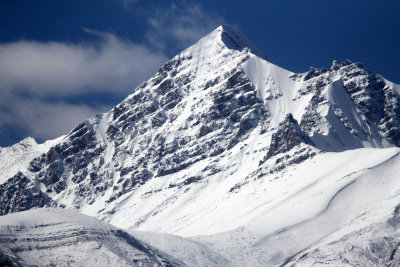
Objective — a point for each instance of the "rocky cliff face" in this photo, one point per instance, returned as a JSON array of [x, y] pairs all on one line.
[[288, 136], [196, 107]]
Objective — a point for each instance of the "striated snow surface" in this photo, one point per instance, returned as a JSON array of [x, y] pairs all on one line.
[[58, 237]]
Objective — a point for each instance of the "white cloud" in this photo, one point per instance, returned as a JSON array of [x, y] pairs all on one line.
[[63, 69], [41, 119]]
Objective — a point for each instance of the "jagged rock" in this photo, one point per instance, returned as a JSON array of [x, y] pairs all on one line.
[[288, 135], [20, 194]]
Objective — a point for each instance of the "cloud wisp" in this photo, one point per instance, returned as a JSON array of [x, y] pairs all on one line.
[[181, 25]]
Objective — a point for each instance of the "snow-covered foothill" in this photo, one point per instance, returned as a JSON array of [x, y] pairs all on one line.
[[59, 237]]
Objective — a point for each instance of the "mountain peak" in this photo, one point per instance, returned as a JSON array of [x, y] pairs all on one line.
[[27, 142], [233, 38]]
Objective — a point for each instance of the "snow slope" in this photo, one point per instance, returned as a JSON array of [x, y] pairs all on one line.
[[359, 226], [347, 217], [17, 157]]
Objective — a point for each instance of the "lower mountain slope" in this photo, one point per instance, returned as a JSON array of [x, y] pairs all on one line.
[[56, 237], [331, 208], [349, 216]]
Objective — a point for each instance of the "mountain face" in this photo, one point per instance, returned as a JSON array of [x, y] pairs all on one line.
[[219, 139]]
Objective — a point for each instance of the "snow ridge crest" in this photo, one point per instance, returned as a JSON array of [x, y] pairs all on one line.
[[233, 38]]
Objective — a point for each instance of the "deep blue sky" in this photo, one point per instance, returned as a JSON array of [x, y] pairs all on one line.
[[292, 34]]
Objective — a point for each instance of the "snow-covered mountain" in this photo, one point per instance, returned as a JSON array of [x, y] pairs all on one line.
[[270, 167]]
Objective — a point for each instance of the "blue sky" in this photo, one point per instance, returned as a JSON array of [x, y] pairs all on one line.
[[63, 61]]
